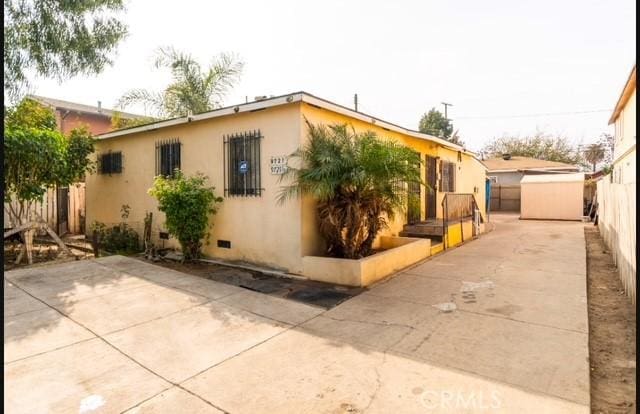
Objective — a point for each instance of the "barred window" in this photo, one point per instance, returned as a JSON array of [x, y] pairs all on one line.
[[110, 163], [167, 157], [447, 177], [242, 164]]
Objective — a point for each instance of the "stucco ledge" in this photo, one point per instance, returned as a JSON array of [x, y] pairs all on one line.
[[398, 253]]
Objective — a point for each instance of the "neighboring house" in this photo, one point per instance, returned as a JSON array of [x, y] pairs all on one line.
[[509, 170], [624, 119], [63, 208], [506, 172], [71, 115], [243, 150], [616, 192]]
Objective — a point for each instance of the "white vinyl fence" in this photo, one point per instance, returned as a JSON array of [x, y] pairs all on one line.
[[617, 223]]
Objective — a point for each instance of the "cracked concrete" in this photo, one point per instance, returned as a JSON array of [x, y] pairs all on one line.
[[120, 335]]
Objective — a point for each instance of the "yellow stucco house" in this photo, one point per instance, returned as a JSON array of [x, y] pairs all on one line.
[[624, 120], [243, 149]]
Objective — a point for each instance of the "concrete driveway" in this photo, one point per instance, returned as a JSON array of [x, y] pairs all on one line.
[[497, 325]]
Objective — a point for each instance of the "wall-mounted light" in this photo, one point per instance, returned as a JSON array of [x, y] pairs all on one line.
[[289, 98], [236, 109]]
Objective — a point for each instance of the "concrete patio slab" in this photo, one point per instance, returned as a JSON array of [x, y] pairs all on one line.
[[489, 297], [498, 324], [69, 291], [372, 321], [86, 377], [533, 357], [59, 272], [503, 275], [421, 290], [174, 400], [171, 278], [39, 331], [287, 311], [183, 344], [301, 372], [17, 302], [119, 310]]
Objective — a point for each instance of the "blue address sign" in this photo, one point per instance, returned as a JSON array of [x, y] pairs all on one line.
[[243, 167]]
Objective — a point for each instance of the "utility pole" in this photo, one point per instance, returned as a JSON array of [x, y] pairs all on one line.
[[446, 105], [355, 101]]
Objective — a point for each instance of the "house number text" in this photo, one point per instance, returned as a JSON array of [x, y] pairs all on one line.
[[278, 165]]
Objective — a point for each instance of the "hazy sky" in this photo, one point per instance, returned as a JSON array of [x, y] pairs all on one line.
[[491, 59]]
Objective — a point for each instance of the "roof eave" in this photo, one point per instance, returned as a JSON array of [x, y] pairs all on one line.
[[624, 95], [283, 100]]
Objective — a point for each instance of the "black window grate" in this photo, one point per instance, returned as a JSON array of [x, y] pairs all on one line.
[[242, 164], [167, 157], [110, 163]]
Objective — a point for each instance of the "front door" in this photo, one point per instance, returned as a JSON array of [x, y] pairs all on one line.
[[432, 182]]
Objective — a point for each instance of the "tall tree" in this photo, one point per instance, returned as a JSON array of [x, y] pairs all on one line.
[[541, 146], [594, 154], [434, 123], [59, 39], [193, 90], [36, 157]]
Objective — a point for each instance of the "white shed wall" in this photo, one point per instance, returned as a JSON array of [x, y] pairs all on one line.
[[552, 200]]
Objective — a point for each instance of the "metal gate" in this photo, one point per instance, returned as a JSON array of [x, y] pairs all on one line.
[[62, 210]]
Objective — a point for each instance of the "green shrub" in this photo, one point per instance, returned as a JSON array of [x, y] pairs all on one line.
[[187, 203], [119, 239]]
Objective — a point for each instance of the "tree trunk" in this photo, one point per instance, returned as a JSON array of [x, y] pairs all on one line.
[[28, 242]]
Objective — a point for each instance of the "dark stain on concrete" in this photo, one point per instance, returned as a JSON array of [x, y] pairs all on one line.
[[506, 310]]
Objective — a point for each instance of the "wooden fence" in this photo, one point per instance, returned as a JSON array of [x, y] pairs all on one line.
[[505, 197], [48, 209], [77, 211], [617, 224]]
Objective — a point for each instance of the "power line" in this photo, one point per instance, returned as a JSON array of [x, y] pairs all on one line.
[[534, 115]]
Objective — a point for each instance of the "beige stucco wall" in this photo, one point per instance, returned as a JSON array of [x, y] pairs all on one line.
[[552, 200], [400, 252], [260, 230]]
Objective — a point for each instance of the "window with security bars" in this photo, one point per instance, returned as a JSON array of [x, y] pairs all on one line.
[[242, 164], [447, 177], [167, 157], [110, 163]]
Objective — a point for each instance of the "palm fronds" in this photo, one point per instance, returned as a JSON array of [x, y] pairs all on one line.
[[359, 181], [193, 90]]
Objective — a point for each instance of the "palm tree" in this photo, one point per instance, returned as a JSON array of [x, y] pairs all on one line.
[[594, 154], [359, 182], [192, 90]]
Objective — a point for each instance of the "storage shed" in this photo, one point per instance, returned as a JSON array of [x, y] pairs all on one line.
[[552, 197]]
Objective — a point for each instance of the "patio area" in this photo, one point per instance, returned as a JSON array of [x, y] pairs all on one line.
[[496, 325]]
